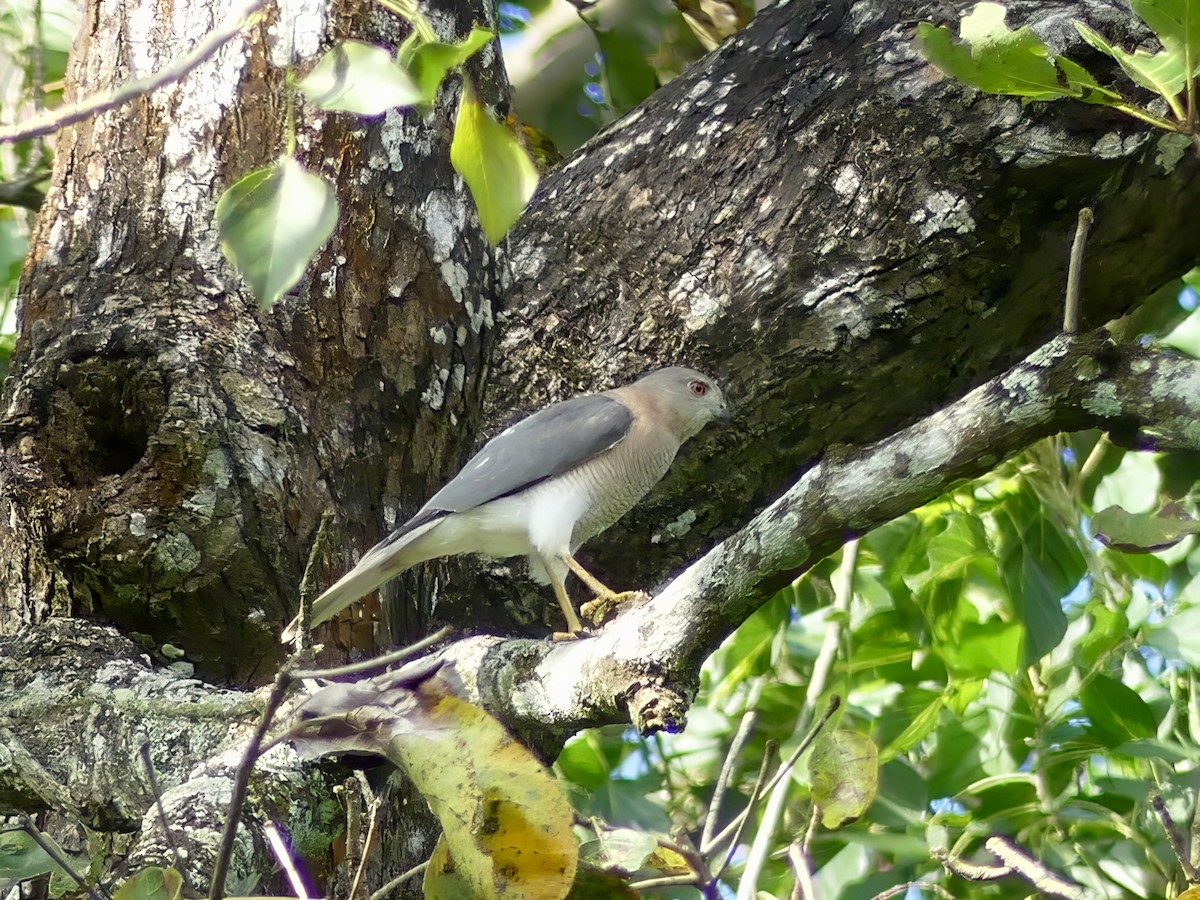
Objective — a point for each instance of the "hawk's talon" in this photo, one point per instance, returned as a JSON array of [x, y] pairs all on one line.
[[604, 606], [564, 636]]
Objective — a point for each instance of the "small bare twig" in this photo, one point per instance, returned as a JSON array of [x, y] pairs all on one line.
[[399, 880], [803, 889], [240, 782], [688, 880], [308, 583], [745, 729], [284, 857], [768, 758], [919, 885], [834, 703], [1075, 272], [1176, 838], [180, 863], [1033, 870], [48, 123], [59, 860], [374, 807], [37, 61], [1014, 860], [379, 662]]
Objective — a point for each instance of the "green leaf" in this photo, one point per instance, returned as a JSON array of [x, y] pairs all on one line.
[[497, 169], [582, 762], [21, 857], [360, 78], [1140, 532], [272, 222], [1177, 636], [1040, 564], [1116, 711], [429, 62], [625, 848], [152, 883], [1160, 72], [630, 77], [1108, 629], [843, 770], [1177, 24], [921, 726], [994, 59], [987, 647]]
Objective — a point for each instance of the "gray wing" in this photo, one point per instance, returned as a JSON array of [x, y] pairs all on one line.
[[548, 443]]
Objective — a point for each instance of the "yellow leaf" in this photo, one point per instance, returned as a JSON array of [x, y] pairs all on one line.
[[442, 878], [507, 826]]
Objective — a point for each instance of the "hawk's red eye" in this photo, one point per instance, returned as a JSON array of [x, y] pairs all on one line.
[[699, 388]]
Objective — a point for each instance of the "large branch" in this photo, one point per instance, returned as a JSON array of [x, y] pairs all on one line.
[[645, 667], [846, 236]]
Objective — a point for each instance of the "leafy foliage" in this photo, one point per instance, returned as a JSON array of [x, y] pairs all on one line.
[[993, 58], [1024, 683], [152, 883], [360, 78], [496, 168], [272, 221], [506, 824]]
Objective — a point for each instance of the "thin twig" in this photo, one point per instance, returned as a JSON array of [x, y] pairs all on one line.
[[375, 807], [308, 583], [379, 662], [1075, 272], [803, 889], [665, 881], [834, 703], [810, 828], [48, 123], [1090, 465], [919, 885], [745, 729], [399, 880], [768, 758], [37, 62], [1014, 860], [1175, 837], [843, 593], [284, 857], [180, 862], [1048, 882], [61, 861], [241, 781]]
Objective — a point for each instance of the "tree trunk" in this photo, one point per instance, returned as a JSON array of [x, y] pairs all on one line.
[[169, 449], [812, 213]]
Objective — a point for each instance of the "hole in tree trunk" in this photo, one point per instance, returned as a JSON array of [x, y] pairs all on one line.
[[101, 414]]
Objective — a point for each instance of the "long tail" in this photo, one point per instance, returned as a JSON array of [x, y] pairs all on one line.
[[383, 562]]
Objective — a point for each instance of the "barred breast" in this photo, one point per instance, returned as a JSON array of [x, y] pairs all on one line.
[[617, 480]]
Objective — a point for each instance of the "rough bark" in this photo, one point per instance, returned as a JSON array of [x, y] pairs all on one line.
[[844, 235], [168, 449], [642, 668], [809, 213]]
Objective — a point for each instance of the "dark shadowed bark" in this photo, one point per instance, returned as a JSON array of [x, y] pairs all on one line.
[[813, 214], [844, 235]]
